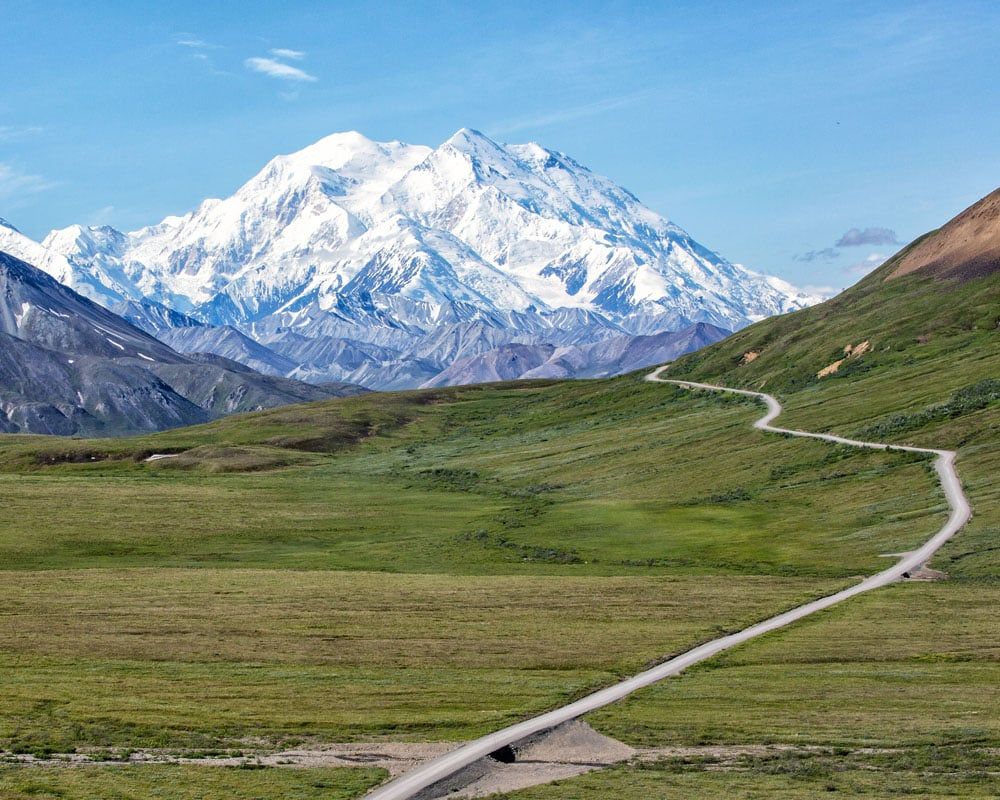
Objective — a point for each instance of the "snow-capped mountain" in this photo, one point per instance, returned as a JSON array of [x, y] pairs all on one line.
[[394, 245]]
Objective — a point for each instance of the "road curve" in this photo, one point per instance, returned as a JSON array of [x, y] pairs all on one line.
[[408, 785]]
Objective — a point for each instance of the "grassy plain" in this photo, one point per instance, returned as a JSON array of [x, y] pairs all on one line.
[[214, 658], [923, 774], [610, 477], [915, 664], [145, 782], [431, 566], [913, 667]]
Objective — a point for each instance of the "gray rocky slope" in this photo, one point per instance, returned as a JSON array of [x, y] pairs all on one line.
[[614, 356], [70, 366]]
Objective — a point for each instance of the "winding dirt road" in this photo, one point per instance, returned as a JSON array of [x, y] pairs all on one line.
[[446, 766]]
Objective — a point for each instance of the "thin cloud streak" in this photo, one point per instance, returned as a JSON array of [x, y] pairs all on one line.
[[198, 48], [566, 114], [284, 52], [15, 183], [276, 69], [826, 254], [194, 42], [14, 133]]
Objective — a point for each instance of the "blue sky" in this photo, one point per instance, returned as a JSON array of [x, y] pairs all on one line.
[[802, 139]]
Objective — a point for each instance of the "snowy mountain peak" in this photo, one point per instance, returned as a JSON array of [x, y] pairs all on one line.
[[83, 240], [491, 162], [354, 155], [473, 142], [399, 235]]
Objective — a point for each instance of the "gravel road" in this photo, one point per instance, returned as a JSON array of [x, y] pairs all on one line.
[[438, 769]]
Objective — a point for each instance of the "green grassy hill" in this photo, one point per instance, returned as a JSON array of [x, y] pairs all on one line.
[[928, 371], [942, 321]]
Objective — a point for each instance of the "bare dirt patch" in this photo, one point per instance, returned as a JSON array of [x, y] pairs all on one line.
[[829, 369], [860, 349], [396, 757], [563, 752], [928, 574], [569, 750], [850, 351]]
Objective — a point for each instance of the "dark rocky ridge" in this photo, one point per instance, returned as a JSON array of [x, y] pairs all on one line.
[[69, 366]]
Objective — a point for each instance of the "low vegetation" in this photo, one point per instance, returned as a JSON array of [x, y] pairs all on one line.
[[183, 658], [911, 665], [909, 671], [926, 773], [598, 478], [968, 398], [176, 782]]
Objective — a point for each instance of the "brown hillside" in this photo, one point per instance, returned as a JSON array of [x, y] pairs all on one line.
[[966, 247]]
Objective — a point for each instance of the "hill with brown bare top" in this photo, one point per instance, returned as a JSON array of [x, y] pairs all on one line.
[[966, 247]]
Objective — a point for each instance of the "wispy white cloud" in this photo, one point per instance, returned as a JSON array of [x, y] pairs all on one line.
[[826, 254], [867, 264], [199, 50], [13, 133], [101, 216], [15, 183], [565, 114], [276, 69], [284, 52], [194, 42]]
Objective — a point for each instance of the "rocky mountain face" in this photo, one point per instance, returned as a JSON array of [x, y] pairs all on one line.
[[412, 257], [69, 366], [614, 356]]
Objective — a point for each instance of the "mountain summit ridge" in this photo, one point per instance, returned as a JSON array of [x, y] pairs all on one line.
[[497, 227]]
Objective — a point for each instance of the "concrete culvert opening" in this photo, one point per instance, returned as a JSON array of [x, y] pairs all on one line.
[[505, 755]]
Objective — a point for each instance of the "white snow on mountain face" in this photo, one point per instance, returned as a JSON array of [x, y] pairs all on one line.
[[391, 234], [385, 263]]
